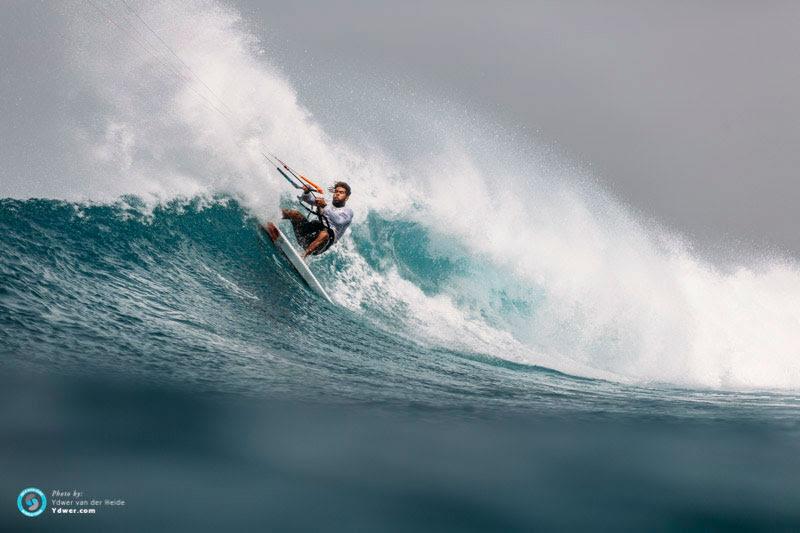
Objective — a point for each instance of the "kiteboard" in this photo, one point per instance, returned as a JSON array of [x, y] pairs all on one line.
[[282, 243]]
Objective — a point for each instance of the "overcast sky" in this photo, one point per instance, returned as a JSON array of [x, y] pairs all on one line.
[[689, 111]]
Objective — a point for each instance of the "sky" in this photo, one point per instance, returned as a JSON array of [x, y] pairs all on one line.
[[689, 112]]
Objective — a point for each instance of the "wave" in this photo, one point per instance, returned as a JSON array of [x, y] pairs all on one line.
[[463, 238], [194, 277]]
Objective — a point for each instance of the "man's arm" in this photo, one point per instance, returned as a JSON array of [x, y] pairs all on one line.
[[308, 197]]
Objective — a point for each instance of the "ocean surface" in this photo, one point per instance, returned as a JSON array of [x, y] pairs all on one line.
[[167, 356]]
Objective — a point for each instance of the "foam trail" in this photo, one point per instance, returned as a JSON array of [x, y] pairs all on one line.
[[603, 292]]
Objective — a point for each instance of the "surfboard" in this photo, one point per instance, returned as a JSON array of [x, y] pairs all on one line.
[[282, 243]]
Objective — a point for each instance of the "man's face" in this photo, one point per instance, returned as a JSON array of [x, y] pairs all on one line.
[[339, 196]]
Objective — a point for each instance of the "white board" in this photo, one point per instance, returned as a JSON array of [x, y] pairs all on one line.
[[297, 262]]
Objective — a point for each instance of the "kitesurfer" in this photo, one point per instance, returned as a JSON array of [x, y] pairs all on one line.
[[317, 236]]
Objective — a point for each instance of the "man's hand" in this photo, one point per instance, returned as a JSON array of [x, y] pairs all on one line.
[[321, 202]]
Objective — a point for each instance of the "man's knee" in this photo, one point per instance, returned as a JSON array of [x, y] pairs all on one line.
[[292, 214]]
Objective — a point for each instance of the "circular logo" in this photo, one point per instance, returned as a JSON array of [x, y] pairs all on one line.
[[31, 502]]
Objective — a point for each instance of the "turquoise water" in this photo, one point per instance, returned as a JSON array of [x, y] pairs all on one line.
[[168, 351]]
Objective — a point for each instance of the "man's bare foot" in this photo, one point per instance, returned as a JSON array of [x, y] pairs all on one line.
[[270, 228]]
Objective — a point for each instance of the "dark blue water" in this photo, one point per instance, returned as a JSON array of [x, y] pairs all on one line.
[[169, 357]]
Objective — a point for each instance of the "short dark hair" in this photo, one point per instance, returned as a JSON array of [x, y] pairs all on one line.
[[343, 185]]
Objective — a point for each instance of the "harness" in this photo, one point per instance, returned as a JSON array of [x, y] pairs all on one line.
[[315, 210]]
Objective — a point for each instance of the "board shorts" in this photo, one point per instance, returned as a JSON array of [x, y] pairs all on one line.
[[305, 231]]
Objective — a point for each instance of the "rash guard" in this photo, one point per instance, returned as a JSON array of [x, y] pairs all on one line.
[[339, 218]]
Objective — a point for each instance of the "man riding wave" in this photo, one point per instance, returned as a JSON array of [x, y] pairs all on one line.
[[317, 236]]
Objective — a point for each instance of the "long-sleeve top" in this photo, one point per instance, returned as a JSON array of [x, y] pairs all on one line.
[[338, 218]]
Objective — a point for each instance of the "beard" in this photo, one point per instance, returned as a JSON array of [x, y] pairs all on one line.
[[339, 203]]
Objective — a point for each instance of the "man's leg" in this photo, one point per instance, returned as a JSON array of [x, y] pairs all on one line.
[[293, 214], [321, 239], [304, 230]]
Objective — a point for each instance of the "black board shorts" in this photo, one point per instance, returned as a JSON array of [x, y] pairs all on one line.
[[305, 231]]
